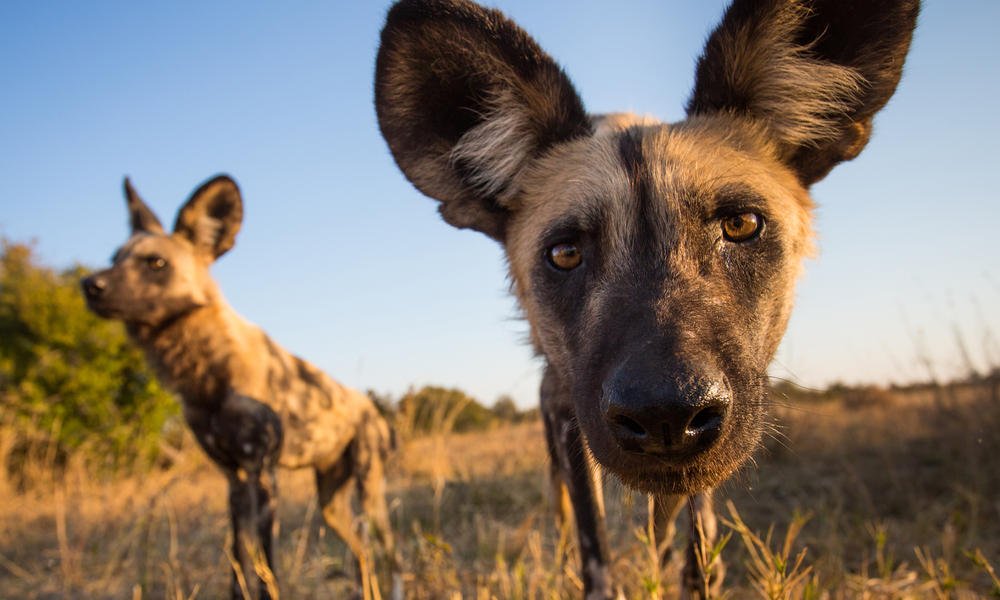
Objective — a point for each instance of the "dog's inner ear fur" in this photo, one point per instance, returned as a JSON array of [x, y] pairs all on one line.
[[211, 218], [141, 218], [814, 73], [466, 100]]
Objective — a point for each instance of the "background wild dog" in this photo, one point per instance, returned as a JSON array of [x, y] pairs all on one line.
[[250, 403], [654, 262]]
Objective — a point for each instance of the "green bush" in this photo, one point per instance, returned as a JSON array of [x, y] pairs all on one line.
[[69, 380], [433, 409]]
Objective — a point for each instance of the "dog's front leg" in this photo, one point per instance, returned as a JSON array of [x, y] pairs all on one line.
[[251, 508], [243, 436], [572, 466]]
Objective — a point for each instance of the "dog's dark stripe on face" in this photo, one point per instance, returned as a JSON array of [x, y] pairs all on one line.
[[646, 215], [630, 155]]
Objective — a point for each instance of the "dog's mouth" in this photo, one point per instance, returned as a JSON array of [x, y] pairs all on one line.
[[658, 475], [104, 309], [669, 478], [690, 471]]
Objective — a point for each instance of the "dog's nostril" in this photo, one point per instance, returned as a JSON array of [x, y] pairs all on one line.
[[629, 424], [706, 419], [94, 286]]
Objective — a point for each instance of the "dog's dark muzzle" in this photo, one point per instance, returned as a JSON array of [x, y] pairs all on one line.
[[95, 292], [673, 414], [94, 287]]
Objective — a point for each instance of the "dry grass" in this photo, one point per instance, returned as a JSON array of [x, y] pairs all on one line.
[[858, 497]]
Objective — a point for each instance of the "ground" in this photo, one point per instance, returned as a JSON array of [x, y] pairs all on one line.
[[901, 491]]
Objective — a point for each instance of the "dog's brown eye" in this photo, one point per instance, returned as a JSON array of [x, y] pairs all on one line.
[[156, 263], [565, 257], [741, 227]]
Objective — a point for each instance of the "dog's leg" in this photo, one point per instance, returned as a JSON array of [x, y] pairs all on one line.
[[267, 496], [251, 507], [574, 469], [374, 505], [243, 436], [335, 486], [370, 469], [243, 571], [702, 574], [561, 502]]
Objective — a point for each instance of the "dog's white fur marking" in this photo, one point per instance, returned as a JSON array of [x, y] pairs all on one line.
[[799, 97], [497, 149]]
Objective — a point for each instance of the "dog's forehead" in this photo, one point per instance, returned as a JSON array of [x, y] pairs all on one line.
[[146, 244], [703, 161], [689, 166]]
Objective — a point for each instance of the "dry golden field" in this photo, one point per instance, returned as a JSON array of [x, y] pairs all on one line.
[[897, 496]]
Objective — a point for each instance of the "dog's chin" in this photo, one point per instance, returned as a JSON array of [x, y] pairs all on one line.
[[105, 311], [656, 475], [671, 481]]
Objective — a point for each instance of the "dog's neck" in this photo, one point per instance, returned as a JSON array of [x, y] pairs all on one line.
[[193, 352]]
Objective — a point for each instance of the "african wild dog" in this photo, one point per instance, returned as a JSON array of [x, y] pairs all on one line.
[[655, 263], [250, 403]]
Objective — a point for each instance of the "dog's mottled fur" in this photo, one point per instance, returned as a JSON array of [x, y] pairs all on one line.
[[251, 404], [655, 262]]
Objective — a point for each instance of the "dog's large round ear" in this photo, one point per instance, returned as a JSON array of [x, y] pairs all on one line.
[[466, 99], [211, 218], [141, 218], [813, 72]]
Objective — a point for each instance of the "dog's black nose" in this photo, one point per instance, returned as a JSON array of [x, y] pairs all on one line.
[[674, 418], [93, 286]]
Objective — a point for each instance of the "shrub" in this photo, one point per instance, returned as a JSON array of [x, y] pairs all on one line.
[[432, 409], [69, 381]]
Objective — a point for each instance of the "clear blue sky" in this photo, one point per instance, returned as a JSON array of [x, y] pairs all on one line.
[[343, 262]]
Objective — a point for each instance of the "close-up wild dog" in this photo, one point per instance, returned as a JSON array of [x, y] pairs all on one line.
[[654, 262], [251, 404]]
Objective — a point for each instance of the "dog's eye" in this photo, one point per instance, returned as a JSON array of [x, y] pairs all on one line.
[[742, 227], [156, 263], [565, 256]]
